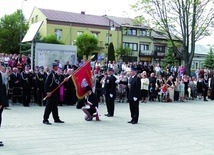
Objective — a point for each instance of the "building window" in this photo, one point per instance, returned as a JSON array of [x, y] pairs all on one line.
[[159, 48], [144, 47], [95, 34], [32, 20], [36, 19], [145, 33], [132, 46], [132, 32], [79, 33], [58, 34], [108, 37]]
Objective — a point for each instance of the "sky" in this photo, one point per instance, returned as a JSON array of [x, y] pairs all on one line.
[[119, 8]]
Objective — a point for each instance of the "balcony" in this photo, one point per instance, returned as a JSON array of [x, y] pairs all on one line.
[[159, 54], [145, 53]]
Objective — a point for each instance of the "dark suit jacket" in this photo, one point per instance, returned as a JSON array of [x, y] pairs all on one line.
[[92, 98], [110, 87], [52, 82], [14, 79], [65, 66], [135, 86], [3, 94], [1, 90]]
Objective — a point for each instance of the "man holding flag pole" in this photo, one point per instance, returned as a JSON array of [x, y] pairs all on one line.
[[82, 78], [52, 84]]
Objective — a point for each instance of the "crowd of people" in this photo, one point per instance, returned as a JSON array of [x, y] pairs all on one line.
[[157, 84], [131, 82]]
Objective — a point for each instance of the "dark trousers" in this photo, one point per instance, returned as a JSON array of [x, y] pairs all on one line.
[[70, 97], [134, 109], [1, 110], [110, 105], [176, 96], [40, 96], [26, 97], [16, 92], [51, 106], [205, 93]]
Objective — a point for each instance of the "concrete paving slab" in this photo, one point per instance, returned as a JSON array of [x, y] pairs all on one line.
[[163, 129]]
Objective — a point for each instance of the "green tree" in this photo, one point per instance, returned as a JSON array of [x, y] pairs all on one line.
[[184, 20], [123, 51], [86, 44], [10, 32], [169, 58], [111, 52], [209, 61], [51, 39]]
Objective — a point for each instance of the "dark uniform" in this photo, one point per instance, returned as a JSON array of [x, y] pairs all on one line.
[[15, 85], [70, 92], [134, 97], [92, 102], [212, 88], [40, 84], [110, 93], [52, 82], [2, 93], [26, 83], [205, 86]]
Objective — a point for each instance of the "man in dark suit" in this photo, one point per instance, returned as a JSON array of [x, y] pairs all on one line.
[[26, 83], [40, 84], [15, 85], [110, 92], [67, 66], [91, 104], [52, 82], [134, 96], [1, 101]]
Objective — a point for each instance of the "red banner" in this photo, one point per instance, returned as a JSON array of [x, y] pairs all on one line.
[[82, 77]]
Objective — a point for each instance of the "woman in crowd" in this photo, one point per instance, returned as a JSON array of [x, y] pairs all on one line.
[[144, 87]]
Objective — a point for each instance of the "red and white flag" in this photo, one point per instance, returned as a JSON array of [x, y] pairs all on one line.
[[82, 78]]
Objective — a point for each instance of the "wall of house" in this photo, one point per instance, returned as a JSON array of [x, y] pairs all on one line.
[[37, 16]]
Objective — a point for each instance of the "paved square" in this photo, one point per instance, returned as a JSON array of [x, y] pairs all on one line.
[[164, 129]]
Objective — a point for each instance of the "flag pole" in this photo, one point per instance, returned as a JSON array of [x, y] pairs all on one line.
[[68, 78]]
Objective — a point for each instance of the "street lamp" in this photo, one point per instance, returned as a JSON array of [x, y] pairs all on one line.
[[110, 27], [21, 21]]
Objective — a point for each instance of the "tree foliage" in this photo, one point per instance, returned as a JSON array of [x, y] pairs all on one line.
[[10, 26], [123, 51], [209, 61], [86, 44], [111, 52], [181, 20], [170, 58], [51, 39]]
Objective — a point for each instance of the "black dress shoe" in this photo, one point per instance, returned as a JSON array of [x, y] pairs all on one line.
[[1, 144], [134, 122], [129, 121], [110, 115], [59, 121], [106, 114], [205, 100], [46, 122]]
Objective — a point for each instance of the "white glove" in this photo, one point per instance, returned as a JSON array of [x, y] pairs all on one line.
[[135, 98], [111, 95]]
